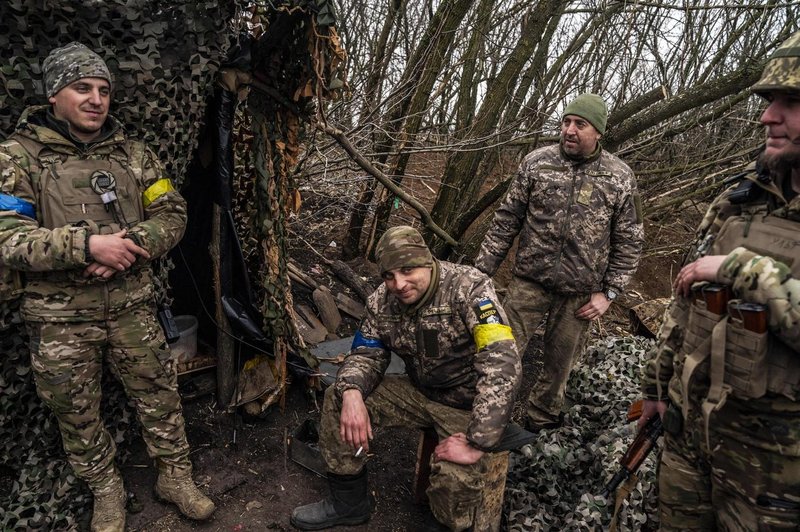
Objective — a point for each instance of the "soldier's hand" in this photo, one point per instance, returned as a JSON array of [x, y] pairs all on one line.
[[115, 251], [703, 269], [99, 270], [456, 449], [649, 409], [597, 306], [354, 425]]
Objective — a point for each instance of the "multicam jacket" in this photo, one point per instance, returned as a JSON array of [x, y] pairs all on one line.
[[580, 225], [48, 211], [755, 274], [457, 348]]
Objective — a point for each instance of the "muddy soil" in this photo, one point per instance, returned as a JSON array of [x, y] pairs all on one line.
[[245, 467]]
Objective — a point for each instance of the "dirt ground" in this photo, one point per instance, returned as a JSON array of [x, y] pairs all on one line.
[[246, 469]]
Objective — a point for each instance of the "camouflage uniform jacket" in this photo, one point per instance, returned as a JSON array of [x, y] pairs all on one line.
[[753, 277], [579, 224], [457, 348], [53, 258]]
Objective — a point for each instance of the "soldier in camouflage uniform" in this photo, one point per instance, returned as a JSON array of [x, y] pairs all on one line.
[[725, 376], [462, 369], [577, 211], [88, 294]]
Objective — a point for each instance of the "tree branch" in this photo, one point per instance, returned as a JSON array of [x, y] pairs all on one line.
[[385, 180]]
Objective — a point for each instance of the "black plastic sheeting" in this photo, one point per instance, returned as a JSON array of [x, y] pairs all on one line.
[[210, 181]]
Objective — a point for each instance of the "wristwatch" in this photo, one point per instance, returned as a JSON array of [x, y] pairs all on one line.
[[611, 295]]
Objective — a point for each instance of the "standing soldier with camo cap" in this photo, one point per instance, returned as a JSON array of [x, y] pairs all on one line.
[[577, 212], [83, 212], [462, 370], [725, 376]]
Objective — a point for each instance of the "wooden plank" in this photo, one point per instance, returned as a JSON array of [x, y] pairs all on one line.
[[303, 276], [350, 306], [315, 331], [326, 305]]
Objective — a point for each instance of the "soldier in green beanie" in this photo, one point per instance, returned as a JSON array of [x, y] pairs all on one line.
[[83, 212], [725, 377], [577, 212], [462, 373]]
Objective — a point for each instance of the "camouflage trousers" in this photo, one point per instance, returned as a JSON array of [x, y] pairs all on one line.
[[526, 304], [456, 491], [749, 481], [67, 361]]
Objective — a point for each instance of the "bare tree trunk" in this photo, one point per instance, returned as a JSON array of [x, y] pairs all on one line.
[[372, 92], [427, 63]]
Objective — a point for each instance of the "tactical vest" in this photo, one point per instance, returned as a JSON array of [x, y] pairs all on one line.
[[720, 352], [757, 363], [64, 195]]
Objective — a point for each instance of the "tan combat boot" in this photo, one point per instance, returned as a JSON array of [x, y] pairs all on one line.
[[179, 489], [109, 508]]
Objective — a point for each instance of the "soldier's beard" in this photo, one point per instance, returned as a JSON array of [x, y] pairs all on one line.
[[781, 164]]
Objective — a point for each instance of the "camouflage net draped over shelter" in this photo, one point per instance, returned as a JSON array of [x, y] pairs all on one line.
[[560, 487], [296, 63], [164, 56]]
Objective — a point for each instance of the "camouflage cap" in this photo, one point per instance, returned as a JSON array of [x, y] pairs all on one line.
[[71, 63], [402, 247], [783, 68]]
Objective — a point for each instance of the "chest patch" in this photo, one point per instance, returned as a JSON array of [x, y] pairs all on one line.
[[585, 193]]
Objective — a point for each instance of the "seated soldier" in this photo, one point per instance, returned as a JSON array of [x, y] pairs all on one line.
[[463, 372]]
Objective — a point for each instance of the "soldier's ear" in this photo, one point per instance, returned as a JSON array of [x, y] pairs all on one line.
[[52, 100]]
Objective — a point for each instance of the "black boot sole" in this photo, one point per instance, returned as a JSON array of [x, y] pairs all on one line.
[[341, 521]]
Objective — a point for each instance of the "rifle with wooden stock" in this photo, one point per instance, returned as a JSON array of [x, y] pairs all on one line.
[[640, 448]]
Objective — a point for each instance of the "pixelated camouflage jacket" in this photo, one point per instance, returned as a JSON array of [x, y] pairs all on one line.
[[53, 258], [457, 348], [579, 224], [753, 277]]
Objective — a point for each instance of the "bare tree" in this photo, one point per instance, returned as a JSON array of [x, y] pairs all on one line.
[[473, 85]]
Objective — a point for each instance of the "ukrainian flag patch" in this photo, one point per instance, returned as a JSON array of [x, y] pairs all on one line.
[[487, 313]]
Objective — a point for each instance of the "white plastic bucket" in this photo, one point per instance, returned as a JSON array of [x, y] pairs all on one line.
[[185, 348]]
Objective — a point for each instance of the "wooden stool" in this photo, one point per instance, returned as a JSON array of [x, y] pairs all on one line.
[[490, 511]]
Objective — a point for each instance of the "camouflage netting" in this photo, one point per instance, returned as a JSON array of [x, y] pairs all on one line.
[[560, 487], [164, 56], [297, 63]]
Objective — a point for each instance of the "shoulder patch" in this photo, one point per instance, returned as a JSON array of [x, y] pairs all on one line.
[[486, 312]]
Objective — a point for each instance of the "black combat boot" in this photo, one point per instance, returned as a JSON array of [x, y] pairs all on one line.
[[349, 503]]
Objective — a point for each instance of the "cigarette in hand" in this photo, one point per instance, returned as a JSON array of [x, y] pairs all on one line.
[[358, 452]]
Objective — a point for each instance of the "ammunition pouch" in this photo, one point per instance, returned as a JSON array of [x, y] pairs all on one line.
[[693, 366], [746, 367]]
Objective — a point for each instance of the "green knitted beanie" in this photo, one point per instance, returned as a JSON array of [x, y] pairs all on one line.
[[590, 107]]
